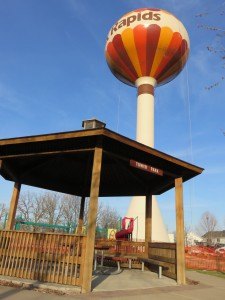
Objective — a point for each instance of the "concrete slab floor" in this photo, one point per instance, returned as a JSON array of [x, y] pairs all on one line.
[[128, 280]]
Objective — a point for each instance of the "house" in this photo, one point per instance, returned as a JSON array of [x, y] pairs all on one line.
[[214, 237], [192, 238]]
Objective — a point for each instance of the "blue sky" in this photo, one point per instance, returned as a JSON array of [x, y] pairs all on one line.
[[53, 75]]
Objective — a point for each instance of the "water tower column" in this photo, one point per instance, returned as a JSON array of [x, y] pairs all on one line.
[[145, 135], [145, 110]]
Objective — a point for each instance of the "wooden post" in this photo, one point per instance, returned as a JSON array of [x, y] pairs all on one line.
[[92, 216], [13, 206], [180, 231], [81, 216], [148, 223]]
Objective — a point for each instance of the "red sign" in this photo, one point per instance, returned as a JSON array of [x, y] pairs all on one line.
[[144, 167]]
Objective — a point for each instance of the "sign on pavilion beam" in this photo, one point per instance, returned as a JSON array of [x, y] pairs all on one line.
[[144, 167]]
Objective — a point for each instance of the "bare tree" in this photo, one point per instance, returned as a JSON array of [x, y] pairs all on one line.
[[187, 230], [108, 217], [38, 209], [207, 225], [3, 211], [56, 208], [25, 206], [53, 207], [70, 208], [216, 45]]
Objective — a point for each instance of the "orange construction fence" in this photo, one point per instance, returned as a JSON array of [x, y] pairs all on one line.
[[205, 258]]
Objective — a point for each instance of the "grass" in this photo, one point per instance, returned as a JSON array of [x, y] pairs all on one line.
[[213, 273]]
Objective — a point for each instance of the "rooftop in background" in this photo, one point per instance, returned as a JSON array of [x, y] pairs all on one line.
[[63, 162], [214, 234]]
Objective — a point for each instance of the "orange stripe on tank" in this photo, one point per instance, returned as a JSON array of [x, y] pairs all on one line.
[[165, 38], [140, 39], [171, 50], [129, 44]]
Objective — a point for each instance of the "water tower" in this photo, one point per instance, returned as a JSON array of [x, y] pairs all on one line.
[[145, 48]]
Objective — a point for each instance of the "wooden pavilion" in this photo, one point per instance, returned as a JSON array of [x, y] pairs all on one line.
[[88, 163]]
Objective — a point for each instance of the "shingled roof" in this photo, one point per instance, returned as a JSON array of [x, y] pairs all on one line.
[[214, 234]]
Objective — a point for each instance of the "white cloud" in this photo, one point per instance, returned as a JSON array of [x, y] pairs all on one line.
[[176, 6], [209, 151], [215, 170], [79, 7], [200, 60], [181, 6], [86, 16], [11, 101]]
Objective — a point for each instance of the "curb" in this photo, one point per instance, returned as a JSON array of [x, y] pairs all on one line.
[[42, 287]]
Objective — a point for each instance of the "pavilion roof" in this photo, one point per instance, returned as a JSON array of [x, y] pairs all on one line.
[[63, 162]]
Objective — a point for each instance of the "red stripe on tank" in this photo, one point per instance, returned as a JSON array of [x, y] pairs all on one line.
[[146, 41], [153, 34], [119, 62], [174, 70], [121, 51], [119, 73]]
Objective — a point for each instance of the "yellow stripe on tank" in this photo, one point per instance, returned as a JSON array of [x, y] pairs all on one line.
[[166, 35], [129, 44]]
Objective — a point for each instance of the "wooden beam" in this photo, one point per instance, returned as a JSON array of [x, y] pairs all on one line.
[[151, 151], [13, 206], [46, 153], [104, 133], [148, 222], [52, 137], [92, 216], [127, 161], [81, 216], [180, 231]]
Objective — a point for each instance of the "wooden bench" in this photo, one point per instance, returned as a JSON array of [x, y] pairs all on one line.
[[118, 260], [122, 259], [129, 258], [158, 263]]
